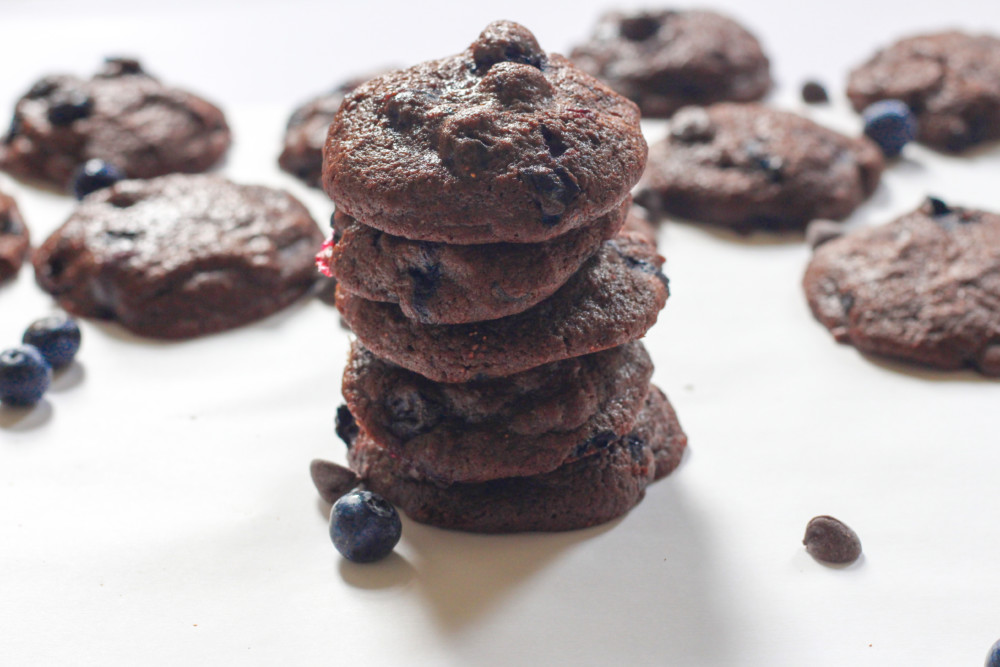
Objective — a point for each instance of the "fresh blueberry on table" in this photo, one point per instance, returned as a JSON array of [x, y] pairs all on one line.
[[891, 125], [57, 338], [993, 659], [94, 175], [364, 526], [24, 376]]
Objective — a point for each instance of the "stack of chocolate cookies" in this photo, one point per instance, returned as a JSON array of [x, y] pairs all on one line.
[[484, 262]]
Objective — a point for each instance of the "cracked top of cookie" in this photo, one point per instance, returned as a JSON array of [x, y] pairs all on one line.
[[502, 142]]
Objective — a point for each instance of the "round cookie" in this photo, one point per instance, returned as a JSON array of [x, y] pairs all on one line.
[[438, 283], [586, 492], [665, 60], [950, 80], [305, 133], [122, 115], [924, 288], [614, 298], [14, 239], [502, 142], [747, 166], [524, 424], [180, 256]]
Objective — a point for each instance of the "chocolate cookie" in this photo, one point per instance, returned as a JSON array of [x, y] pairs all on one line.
[[437, 283], [924, 288], [122, 115], [524, 424], [586, 492], [14, 240], [502, 142], [181, 256], [306, 132], [950, 80], [665, 60], [747, 166], [614, 298]]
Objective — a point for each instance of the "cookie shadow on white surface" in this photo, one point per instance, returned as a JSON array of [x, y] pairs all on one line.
[[926, 372], [25, 419], [755, 237]]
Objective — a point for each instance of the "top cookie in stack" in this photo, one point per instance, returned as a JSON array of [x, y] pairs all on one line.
[[484, 262]]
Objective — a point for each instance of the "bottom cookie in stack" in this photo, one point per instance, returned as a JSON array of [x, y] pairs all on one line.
[[585, 492]]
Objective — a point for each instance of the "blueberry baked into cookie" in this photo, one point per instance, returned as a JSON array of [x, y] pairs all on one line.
[[924, 288], [949, 80], [747, 167], [122, 115], [14, 240], [498, 291], [665, 60], [180, 256]]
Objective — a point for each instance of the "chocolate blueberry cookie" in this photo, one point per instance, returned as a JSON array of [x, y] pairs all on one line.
[[665, 60], [614, 298], [747, 166], [524, 424], [180, 256], [438, 283], [586, 492], [950, 80], [122, 115], [14, 241], [924, 288], [306, 132], [502, 142]]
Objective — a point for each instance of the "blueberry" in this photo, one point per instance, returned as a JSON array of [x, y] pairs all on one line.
[[813, 92], [69, 106], [552, 189], [993, 658], [57, 338], [364, 526], [13, 129], [345, 426], [24, 375], [412, 413], [94, 175], [891, 125]]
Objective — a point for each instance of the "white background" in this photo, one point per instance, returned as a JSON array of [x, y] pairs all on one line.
[[156, 508]]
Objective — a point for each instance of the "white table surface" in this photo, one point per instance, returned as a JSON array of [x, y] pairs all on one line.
[[156, 508]]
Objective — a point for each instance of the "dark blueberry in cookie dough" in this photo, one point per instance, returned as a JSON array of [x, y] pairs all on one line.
[[891, 125], [500, 143], [949, 80], [14, 238], [666, 60], [24, 376], [121, 115], [831, 541], [345, 426], [364, 526], [747, 166], [922, 288], [57, 338], [93, 175]]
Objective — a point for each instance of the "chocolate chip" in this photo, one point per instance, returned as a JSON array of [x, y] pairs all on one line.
[[13, 130], [692, 125], [594, 444], [69, 106], [813, 92], [345, 426], [332, 480], [552, 189], [42, 88], [830, 541], [639, 27], [554, 142], [410, 412], [938, 207], [506, 41], [115, 66], [426, 280]]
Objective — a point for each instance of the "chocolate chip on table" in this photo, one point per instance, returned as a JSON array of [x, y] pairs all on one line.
[[813, 92], [332, 480], [829, 540]]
